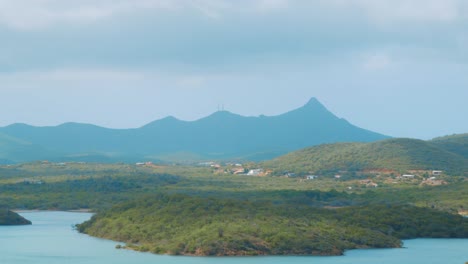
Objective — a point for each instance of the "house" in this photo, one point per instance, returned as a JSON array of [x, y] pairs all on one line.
[[255, 172], [215, 165], [407, 176], [32, 181], [206, 164], [436, 172], [238, 171]]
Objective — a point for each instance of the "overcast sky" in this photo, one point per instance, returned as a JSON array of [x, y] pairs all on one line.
[[398, 67]]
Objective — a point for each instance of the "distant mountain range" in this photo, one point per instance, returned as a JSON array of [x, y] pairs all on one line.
[[449, 153], [222, 135]]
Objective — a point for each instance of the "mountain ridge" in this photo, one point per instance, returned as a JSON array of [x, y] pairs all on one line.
[[221, 135]]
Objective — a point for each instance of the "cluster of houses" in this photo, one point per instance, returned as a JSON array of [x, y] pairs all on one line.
[[429, 178], [369, 183], [148, 163], [234, 168]]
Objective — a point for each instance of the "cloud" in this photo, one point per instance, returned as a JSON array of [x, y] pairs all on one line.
[[72, 75], [40, 14], [190, 82], [390, 11], [36, 14], [29, 15], [377, 61], [222, 35], [272, 5]]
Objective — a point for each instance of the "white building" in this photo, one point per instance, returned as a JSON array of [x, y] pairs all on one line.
[[255, 172]]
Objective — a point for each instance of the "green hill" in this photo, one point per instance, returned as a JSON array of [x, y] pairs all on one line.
[[457, 143], [8, 217], [184, 225], [392, 154]]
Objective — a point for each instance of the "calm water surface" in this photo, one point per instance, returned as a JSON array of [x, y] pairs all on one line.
[[51, 239]]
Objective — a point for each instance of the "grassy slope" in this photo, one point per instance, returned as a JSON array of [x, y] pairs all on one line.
[[395, 154]]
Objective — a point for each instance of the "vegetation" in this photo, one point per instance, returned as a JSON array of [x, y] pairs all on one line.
[[399, 155], [197, 210], [8, 217], [76, 186], [178, 224], [457, 143]]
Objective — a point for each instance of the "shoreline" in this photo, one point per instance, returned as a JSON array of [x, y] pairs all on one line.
[[83, 210]]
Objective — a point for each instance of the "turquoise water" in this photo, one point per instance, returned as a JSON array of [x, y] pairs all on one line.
[[51, 239]]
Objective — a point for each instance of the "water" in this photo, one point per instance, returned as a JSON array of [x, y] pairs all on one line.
[[51, 239]]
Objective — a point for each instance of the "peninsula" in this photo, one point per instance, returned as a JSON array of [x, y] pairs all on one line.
[[8, 217]]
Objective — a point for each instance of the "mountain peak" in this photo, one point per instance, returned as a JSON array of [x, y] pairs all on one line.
[[312, 108], [168, 120], [220, 115], [314, 102]]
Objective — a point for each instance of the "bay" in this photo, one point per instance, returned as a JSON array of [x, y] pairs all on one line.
[[51, 239]]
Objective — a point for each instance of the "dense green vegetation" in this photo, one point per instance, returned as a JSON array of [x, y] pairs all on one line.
[[400, 155], [76, 186], [178, 224], [208, 211], [8, 217], [457, 143]]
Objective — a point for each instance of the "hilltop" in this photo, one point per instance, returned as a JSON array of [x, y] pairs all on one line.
[[222, 135], [400, 155]]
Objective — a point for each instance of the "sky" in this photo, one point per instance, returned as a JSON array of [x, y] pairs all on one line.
[[397, 67]]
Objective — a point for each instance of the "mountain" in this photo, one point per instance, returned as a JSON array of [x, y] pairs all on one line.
[[219, 136], [399, 154], [14, 149]]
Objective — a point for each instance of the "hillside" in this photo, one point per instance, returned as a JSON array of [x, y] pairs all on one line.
[[219, 136], [182, 225], [457, 143], [15, 149], [8, 217], [391, 154]]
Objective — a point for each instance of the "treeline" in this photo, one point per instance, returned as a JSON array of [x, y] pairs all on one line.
[[180, 224], [89, 192]]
